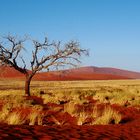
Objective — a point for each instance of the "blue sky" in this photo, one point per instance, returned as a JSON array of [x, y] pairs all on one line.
[[110, 29]]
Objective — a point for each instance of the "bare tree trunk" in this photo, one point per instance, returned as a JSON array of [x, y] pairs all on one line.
[[27, 85]]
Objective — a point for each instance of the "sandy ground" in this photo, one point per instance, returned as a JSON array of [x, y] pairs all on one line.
[[129, 131]]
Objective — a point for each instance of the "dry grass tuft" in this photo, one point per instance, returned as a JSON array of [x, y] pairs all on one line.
[[15, 118], [109, 116]]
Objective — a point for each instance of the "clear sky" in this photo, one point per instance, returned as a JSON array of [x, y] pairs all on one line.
[[110, 29]]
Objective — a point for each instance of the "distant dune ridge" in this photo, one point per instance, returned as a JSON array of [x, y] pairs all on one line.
[[110, 71], [82, 73]]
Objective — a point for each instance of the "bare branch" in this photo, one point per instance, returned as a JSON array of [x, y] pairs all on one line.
[[61, 55], [10, 53]]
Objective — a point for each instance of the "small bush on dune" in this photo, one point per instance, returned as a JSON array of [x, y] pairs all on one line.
[[33, 118], [36, 115], [108, 116], [16, 100], [81, 118], [15, 118], [49, 99], [70, 108], [98, 115], [11, 115], [5, 111]]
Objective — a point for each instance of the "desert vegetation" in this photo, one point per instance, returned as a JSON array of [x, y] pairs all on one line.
[[70, 102]]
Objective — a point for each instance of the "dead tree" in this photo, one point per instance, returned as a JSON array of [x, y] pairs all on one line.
[[44, 56]]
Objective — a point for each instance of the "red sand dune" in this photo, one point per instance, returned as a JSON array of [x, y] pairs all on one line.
[[83, 73], [9, 72], [76, 76], [112, 71]]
